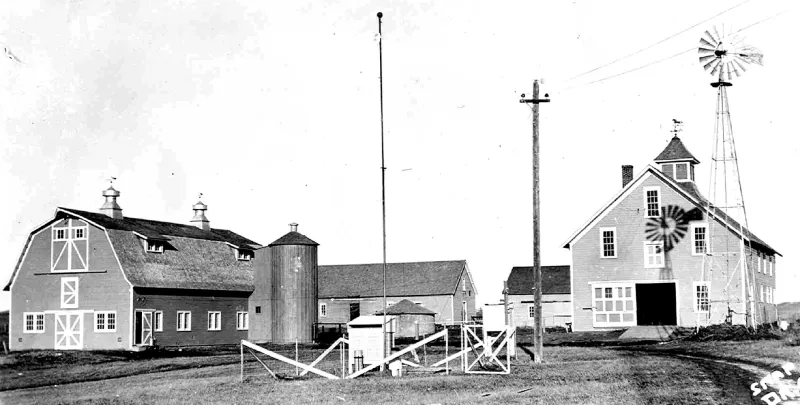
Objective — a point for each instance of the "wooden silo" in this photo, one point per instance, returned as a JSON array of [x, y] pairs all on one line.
[[293, 299]]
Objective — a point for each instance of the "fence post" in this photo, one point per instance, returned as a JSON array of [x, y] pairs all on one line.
[[446, 347], [296, 357], [241, 365]]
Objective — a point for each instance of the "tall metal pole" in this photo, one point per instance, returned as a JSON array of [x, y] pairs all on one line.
[[383, 190], [537, 268]]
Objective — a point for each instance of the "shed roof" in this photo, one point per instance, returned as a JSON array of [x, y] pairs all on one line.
[[675, 150], [368, 320], [406, 307], [555, 280], [402, 279], [294, 238]]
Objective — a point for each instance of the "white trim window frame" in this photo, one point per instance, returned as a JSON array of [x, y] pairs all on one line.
[[702, 301], [613, 304], [214, 320], [244, 254], [683, 168], [652, 202], [608, 242], [653, 255], [105, 321], [699, 244], [771, 264], [154, 246], [242, 320], [184, 323], [761, 292], [69, 292], [531, 311], [158, 321], [758, 261], [36, 322], [323, 310]]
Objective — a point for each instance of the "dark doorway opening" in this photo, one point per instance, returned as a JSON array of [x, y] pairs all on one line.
[[355, 310], [137, 333], [655, 304]]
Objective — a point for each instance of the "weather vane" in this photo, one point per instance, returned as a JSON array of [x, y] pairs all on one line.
[[111, 180], [676, 126], [199, 196]]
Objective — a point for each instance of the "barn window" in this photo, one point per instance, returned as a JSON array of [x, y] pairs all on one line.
[[184, 321], [214, 320], [69, 292], [242, 320], [701, 300], [34, 322], [258, 309], [653, 255], [680, 171], [323, 309], [244, 254], [60, 234], [531, 311], [667, 169], [155, 246], [771, 264], [608, 242], [105, 321], [652, 202], [158, 321], [699, 239], [614, 305], [80, 233]]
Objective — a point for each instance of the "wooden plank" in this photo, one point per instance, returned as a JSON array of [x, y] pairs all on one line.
[[322, 356], [409, 363], [398, 354], [262, 363], [453, 356], [288, 360]]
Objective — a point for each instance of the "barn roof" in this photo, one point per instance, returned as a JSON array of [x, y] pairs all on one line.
[[555, 280], [406, 307], [690, 192], [402, 279], [192, 258]]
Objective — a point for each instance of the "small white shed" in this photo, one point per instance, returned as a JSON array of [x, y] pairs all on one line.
[[364, 333]]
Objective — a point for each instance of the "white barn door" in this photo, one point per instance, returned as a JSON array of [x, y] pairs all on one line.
[[68, 331]]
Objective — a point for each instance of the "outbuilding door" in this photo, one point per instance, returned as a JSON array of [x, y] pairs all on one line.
[[68, 331], [143, 333]]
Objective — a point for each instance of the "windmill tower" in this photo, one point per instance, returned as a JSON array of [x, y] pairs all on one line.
[[727, 260]]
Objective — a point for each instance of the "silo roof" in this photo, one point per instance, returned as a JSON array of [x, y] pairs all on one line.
[[294, 238]]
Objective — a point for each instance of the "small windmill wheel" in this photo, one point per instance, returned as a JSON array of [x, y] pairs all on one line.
[[669, 228], [724, 56]]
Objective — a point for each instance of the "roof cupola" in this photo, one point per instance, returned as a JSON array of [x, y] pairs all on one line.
[[199, 220], [675, 160], [110, 207]]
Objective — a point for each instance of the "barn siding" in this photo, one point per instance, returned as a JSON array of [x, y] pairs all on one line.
[[628, 218], [464, 294], [555, 309], [199, 303], [339, 309], [37, 289], [261, 323]]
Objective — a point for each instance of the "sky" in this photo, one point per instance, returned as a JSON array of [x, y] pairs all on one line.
[[271, 110]]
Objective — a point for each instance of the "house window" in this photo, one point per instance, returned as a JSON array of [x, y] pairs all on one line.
[[105, 321], [69, 292], [242, 320], [608, 242], [34, 322], [244, 254], [653, 255], [214, 320], [770, 264], [158, 321], [681, 172], [758, 261], [258, 309], [701, 300], [667, 170], [154, 246], [761, 291], [691, 172], [699, 239], [652, 202], [614, 305], [531, 311], [184, 321], [323, 309]]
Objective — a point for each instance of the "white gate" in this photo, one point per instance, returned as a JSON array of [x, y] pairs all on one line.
[[68, 331]]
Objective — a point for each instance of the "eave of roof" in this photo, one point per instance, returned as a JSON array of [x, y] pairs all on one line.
[[675, 151]]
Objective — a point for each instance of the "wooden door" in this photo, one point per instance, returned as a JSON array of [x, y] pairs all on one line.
[[68, 331], [143, 333]]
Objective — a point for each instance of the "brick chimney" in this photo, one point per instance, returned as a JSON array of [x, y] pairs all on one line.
[[627, 175], [110, 207], [200, 219]]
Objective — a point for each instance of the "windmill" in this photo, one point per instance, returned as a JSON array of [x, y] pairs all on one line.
[[723, 55]]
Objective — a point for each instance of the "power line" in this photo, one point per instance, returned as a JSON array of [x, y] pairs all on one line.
[[657, 43], [670, 57]]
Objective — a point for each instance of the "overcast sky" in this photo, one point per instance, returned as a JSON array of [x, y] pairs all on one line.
[[270, 109]]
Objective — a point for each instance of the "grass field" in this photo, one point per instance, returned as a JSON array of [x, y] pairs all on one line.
[[570, 374]]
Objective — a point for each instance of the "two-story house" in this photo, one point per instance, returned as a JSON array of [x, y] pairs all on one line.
[[659, 253]]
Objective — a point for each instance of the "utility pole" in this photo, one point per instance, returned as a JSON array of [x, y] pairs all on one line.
[[383, 194], [537, 265]]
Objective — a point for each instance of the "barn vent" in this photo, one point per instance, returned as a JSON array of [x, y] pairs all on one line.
[[110, 207], [200, 219], [293, 227], [627, 175]]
